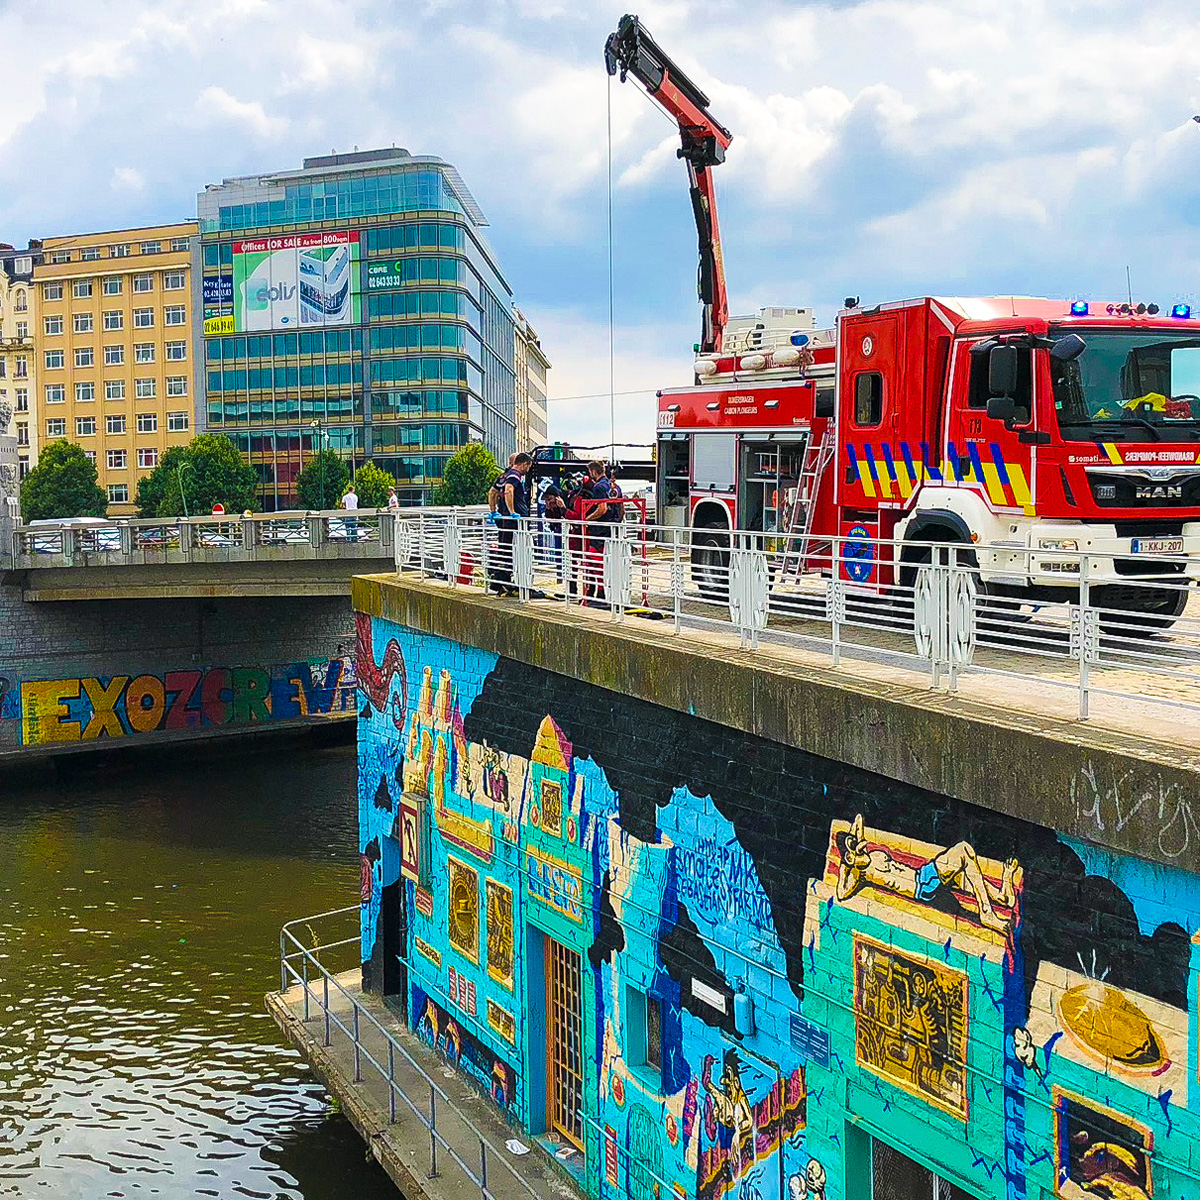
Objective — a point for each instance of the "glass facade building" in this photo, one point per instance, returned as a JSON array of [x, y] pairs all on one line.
[[353, 304]]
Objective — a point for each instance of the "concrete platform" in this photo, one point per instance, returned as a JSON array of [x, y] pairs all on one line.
[[402, 1148], [1129, 778]]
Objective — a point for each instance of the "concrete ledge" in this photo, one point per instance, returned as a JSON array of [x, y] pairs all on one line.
[[1136, 794]]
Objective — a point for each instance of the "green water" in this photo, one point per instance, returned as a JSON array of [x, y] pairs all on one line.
[[139, 929]]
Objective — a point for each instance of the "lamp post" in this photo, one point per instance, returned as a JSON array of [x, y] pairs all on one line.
[[179, 470], [319, 435]]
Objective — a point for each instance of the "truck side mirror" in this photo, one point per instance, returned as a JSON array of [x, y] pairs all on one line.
[[1002, 372], [1001, 408], [1068, 348]]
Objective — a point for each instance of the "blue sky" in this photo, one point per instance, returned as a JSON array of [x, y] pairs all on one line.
[[882, 148]]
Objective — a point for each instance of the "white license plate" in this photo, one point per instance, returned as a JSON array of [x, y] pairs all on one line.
[[1158, 545]]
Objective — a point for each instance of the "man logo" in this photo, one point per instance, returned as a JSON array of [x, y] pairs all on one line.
[[1145, 491]]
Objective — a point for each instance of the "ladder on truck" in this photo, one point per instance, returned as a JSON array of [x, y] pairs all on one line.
[[802, 510]]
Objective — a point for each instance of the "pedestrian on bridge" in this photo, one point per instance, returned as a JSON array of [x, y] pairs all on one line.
[[350, 504]]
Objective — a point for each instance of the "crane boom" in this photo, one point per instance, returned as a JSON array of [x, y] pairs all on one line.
[[632, 51]]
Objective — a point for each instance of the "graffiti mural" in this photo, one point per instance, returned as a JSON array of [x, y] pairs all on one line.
[[121, 706], [784, 962]]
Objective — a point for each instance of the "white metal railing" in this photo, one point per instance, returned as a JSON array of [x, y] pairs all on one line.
[[1111, 623], [308, 967]]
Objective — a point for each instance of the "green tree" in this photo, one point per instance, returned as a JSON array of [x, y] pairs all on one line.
[[63, 484], [467, 476], [190, 479], [322, 483], [372, 483]]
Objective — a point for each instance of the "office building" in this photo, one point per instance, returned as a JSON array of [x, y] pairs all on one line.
[[354, 304], [18, 365], [531, 366], [115, 352]]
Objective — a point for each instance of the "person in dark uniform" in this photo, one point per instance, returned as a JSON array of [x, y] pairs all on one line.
[[512, 503]]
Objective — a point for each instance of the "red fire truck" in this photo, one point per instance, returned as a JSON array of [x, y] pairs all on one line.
[[1019, 426]]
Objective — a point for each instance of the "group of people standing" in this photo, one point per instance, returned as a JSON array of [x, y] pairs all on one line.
[[582, 510]]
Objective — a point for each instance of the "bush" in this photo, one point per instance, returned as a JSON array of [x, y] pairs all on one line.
[[372, 483], [63, 484], [322, 483], [467, 476]]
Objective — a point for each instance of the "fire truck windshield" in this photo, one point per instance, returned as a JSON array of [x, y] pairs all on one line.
[[1135, 386]]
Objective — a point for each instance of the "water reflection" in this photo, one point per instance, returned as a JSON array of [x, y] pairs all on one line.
[[139, 921]]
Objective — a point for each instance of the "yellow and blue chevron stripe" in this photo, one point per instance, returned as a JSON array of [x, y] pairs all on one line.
[[889, 474]]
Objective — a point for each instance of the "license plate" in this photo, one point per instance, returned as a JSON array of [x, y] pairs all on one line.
[[1158, 545]]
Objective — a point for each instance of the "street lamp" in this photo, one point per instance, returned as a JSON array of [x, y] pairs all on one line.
[[179, 469], [320, 433]]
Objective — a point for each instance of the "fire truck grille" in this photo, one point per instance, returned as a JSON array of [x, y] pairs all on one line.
[[1110, 490]]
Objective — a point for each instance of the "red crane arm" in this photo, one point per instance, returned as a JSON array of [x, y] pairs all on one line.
[[703, 141]]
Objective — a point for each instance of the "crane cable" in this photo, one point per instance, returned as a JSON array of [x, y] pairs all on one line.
[[612, 402]]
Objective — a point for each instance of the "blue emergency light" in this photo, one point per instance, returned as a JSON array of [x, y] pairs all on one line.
[[1182, 311], [1079, 308], [799, 339]]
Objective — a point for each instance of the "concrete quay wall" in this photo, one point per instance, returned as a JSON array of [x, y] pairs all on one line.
[[764, 927], [117, 674]]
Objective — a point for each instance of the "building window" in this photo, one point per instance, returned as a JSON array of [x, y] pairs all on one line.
[[85, 426], [81, 289], [177, 422], [89, 254], [56, 427], [54, 360], [143, 318], [60, 256], [114, 389], [180, 245], [22, 433], [84, 392], [176, 351], [85, 356], [147, 422], [147, 458], [52, 291], [84, 322], [175, 314], [56, 393], [22, 330], [176, 385], [21, 367], [143, 352], [20, 304], [118, 493], [118, 251], [114, 356], [114, 320], [90, 455], [174, 281], [143, 283], [643, 1024], [115, 424], [151, 247], [53, 325], [893, 1175], [145, 389], [112, 286], [868, 399], [22, 399]]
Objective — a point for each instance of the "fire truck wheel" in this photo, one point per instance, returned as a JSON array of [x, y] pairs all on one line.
[[710, 565], [1131, 609]]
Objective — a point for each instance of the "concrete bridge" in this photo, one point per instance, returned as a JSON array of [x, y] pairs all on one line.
[[705, 909]]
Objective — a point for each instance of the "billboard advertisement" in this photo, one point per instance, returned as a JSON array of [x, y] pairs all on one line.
[[304, 280]]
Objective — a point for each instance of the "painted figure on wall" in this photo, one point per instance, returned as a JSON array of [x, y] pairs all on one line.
[[864, 864]]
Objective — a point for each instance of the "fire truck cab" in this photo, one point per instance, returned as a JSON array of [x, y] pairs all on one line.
[[1024, 427]]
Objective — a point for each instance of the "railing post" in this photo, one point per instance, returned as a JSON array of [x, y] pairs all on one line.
[[282, 961], [432, 1132], [387, 530], [325, 992], [249, 534], [677, 577], [483, 1187], [357, 1065], [391, 1081], [304, 961], [1085, 630]]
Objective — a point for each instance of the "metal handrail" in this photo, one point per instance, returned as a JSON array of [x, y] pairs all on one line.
[[818, 592], [386, 1072]]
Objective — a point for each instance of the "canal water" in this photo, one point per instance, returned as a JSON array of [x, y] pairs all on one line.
[[139, 930]]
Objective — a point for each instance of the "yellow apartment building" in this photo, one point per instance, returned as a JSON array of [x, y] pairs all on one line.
[[114, 349]]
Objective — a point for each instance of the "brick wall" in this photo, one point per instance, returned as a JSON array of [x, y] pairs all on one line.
[[75, 671], [786, 966]]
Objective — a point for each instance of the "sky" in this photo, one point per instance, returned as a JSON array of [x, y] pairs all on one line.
[[882, 148]]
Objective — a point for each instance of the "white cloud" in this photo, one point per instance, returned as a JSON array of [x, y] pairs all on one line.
[[215, 103], [127, 179]]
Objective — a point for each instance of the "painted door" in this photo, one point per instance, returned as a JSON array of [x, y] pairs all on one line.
[[564, 1045], [896, 1177]]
